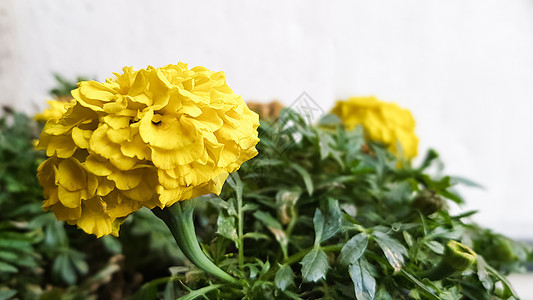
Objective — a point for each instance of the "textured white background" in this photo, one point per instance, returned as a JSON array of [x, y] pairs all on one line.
[[463, 67]]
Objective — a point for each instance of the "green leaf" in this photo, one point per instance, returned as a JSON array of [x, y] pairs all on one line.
[[333, 220], [382, 294], [465, 181], [428, 159], [275, 227], [393, 250], [7, 268], [454, 197], [256, 236], [314, 265], [364, 283], [435, 247], [305, 176], [77, 259], [16, 244], [507, 287], [226, 227], [408, 238], [8, 256], [318, 222], [326, 144], [284, 277], [483, 274], [63, 269], [428, 291], [147, 292], [7, 294], [112, 244], [353, 249], [217, 202], [330, 120]]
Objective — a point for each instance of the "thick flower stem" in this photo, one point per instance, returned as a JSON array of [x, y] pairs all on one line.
[[179, 219]]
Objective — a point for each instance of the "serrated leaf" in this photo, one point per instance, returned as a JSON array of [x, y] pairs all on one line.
[[314, 265], [226, 227], [326, 144], [393, 250], [353, 249], [318, 223], [333, 220], [284, 277], [364, 283]]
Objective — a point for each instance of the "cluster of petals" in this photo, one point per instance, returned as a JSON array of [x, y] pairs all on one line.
[[382, 122], [55, 110], [146, 138]]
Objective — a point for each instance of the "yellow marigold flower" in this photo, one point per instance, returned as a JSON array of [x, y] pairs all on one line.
[[55, 111], [383, 122], [149, 138]]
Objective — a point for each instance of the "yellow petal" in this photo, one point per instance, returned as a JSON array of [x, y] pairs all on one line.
[[117, 205], [165, 132], [93, 219], [101, 145], [65, 213], [99, 167], [71, 175], [105, 186], [69, 199], [125, 180], [81, 137]]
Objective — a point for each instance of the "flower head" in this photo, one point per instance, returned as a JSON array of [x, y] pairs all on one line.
[[149, 138], [383, 122]]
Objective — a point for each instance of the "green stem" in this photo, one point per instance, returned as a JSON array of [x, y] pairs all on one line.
[[240, 231], [179, 219]]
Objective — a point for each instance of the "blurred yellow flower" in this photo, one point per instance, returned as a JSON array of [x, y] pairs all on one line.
[[55, 110], [149, 138], [383, 122]]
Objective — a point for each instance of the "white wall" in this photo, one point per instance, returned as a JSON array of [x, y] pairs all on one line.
[[464, 67]]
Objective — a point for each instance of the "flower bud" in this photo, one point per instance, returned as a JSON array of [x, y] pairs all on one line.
[[427, 202], [457, 258]]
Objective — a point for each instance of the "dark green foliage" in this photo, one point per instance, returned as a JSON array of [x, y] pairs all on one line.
[[323, 218]]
